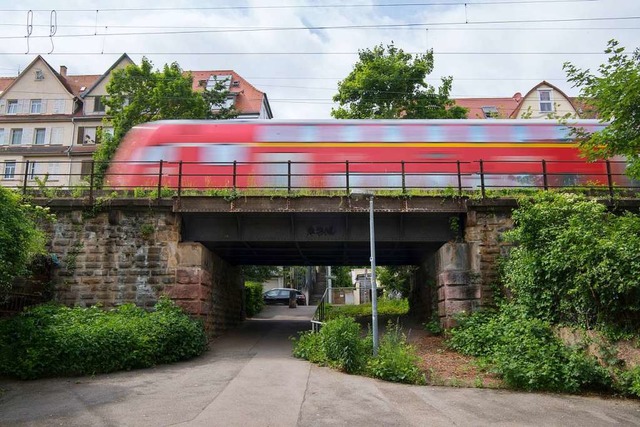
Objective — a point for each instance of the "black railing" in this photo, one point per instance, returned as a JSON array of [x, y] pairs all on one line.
[[168, 179]]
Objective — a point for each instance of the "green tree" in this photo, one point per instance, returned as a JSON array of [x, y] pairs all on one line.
[[20, 237], [342, 276], [615, 95], [259, 273], [215, 98], [388, 83], [138, 94], [396, 278]]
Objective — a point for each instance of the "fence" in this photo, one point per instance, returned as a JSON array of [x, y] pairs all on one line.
[[168, 179]]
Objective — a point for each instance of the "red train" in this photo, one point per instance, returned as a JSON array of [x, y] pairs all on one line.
[[343, 154]]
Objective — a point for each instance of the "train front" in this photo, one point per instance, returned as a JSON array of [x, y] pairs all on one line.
[[128, 168]]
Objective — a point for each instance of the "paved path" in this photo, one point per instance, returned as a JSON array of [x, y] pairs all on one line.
[[250, 379]]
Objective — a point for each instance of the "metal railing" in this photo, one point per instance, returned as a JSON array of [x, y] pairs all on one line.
[[165, 179], [320, 314]]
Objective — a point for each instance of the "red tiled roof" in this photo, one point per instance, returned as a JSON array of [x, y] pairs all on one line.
[[5, 82], [79, 82], [505, 106], [248, 100]]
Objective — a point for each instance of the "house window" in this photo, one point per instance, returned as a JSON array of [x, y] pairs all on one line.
[[98, 105], [546, 103], [490, 112], [31, 171], [12, 106], [36, 106], [39, 75], [16, 136], [39, 136], [9, 169], [2, 140], [88, 135], [85, 169]]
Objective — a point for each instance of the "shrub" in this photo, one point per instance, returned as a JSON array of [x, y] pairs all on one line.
[[397, 361], [253, 301], [565, 270], [50, 340], [386, 307], [628, 382], [526, 353], [343, 346]]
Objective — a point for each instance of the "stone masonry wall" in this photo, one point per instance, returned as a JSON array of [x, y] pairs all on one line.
[[483, 231], [135, 255]]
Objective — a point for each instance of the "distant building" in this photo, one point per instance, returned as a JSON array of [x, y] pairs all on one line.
[[544, 100], [49, 119]]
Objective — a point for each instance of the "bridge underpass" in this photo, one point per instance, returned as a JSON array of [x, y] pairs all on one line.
[[317, 238]]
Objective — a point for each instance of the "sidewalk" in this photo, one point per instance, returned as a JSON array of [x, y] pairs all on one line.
[[249, 378]]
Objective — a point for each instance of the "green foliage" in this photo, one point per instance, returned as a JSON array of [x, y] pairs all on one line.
[[615, 96], [339, 344], [568, 270], [259, 273], [253, 300], [138, 94], [20, 236], [396, 278], [342, 276], [628, 382], [525, 352], [343, 346], [397, 361], [51, 340], [388, 83], [386, 307]]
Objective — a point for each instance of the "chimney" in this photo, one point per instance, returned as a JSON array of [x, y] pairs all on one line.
[[63, 70]]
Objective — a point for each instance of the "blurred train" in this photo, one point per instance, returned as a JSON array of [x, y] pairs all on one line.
[[343, 154]]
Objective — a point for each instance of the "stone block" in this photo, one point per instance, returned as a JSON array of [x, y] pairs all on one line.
[[454, 278], [461, 292]]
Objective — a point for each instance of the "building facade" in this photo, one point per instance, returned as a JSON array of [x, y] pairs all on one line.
[[50, 120]]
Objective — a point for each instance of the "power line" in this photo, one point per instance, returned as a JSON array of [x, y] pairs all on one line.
[[294, 53], [422, 26], [315, 6]]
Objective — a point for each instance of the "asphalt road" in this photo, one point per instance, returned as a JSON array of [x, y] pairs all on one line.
[[249, 378]]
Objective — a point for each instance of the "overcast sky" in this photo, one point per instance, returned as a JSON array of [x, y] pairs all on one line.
[[296, 51]]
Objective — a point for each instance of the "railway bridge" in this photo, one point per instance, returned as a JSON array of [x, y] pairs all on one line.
[[190, 248]]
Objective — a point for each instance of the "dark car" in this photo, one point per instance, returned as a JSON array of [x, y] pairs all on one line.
[[281, 296]]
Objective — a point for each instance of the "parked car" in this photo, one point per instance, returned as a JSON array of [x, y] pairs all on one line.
[[281, 296]]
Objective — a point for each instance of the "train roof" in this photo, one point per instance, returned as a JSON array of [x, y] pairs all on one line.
[[401, 122]]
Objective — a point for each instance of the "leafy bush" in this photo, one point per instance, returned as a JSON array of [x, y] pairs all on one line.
[[566, 270], [525, 352], [343, 346], [397, 361], [253, 301], [339, 344], [628, 382], [20, 236], [386, 307], [50, 340]]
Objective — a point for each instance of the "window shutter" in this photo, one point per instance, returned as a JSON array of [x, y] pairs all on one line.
[[27, 136], [2, 106], [23, 106], [44, 107], [80, 135], [57, 135]]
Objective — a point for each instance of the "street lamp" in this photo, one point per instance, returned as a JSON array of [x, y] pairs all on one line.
[[374, 285]]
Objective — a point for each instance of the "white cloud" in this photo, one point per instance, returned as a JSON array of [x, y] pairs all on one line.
[[301, 86]]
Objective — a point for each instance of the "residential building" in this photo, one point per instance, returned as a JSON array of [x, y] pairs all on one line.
[[49, 120], [544, 100]]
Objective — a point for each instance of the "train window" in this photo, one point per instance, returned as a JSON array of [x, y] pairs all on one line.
[[391, 133], [434, 133], [224, 153], [155, 153], [308, 133], [278, 133], [477, 133]]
